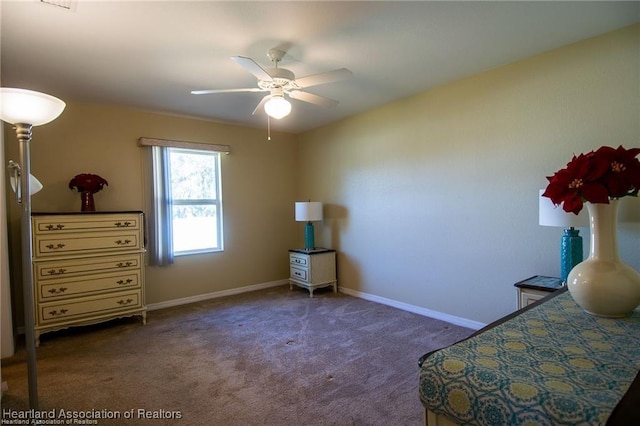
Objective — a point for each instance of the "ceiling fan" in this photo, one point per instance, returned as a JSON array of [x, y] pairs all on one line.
[[280, 82]]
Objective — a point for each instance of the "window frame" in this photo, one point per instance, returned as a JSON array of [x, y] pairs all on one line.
[[216, 202], [158, 224]]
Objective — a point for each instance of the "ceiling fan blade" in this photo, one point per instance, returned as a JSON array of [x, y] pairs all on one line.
[[323, 78], [313, 99], [251, 66], [206, 92], [261, 104]]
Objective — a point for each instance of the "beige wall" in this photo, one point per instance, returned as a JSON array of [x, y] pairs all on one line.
[[258, 185], [432, 200]]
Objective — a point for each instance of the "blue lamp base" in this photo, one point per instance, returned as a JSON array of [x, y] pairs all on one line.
[[570, 252], [309, 241]]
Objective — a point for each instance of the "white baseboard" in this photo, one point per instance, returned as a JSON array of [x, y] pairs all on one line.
[[463, 322], [214, 295]]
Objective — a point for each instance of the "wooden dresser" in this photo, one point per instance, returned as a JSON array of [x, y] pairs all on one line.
[[87, 268]]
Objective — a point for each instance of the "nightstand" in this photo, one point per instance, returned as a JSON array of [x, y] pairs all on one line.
[[312, 269], [535, 288]]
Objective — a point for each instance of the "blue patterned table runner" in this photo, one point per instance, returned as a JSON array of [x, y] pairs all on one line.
[[553, 364]]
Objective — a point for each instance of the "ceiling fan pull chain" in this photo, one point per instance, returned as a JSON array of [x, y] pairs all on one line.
[[268, 127]]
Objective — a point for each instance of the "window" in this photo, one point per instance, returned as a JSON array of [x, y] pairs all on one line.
[[183, 199], [196, 206]]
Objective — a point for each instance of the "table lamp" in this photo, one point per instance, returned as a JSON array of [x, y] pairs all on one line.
[[25, 109], [308, 212], [571, 241]]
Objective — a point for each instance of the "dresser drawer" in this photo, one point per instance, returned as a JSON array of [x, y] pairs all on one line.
[[48, 245], [300, 274], [54, 269], [63, 288], [298, 259], [85, 223], [85, 307]]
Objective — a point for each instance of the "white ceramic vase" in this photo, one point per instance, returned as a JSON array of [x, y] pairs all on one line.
[[603, 285]]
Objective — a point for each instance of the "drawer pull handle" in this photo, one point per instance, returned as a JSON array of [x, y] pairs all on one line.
[[55, 246], [58, 290], [124, 302], [124, 264], [57, 227], [56, 313], [122, 242], [127, 281], [122, 224], [58, 272]]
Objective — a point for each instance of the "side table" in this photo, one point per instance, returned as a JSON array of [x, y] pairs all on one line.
[[312, 269], [535, 288]]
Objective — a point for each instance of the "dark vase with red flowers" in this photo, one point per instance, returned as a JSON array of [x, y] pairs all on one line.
[[87, 184]]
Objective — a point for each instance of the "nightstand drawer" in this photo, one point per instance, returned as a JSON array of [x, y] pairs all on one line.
[[299, 259], [529, 296], [298, 273]]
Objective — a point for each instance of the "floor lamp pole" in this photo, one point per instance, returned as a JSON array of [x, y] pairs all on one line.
[[25, 109], [23, 132]]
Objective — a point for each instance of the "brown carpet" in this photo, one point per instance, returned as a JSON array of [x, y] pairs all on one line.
[[270, 357]]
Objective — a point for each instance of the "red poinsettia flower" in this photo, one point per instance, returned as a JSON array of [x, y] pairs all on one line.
[[623, 176], [87, 182], [595, 177]]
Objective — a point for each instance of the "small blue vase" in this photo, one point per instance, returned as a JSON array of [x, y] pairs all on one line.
[[570, 252]]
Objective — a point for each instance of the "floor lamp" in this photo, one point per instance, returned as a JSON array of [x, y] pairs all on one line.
[[25, 109]]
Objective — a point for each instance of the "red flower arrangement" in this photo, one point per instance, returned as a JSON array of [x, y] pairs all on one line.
[[87, 182], [595, 177]]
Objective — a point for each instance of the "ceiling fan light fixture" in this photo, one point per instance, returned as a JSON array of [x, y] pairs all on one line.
[[277, 107]]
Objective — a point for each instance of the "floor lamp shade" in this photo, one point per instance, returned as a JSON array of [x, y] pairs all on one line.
[[28, 107], [571, 242], [308, 212], [35, 185]]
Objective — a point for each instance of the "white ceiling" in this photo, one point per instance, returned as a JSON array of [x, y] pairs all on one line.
[[151, 54]]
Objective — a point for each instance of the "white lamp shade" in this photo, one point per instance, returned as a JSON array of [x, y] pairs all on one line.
[[308, 211], [34, 184], [28, 107], [277, 107], [551, 215]]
